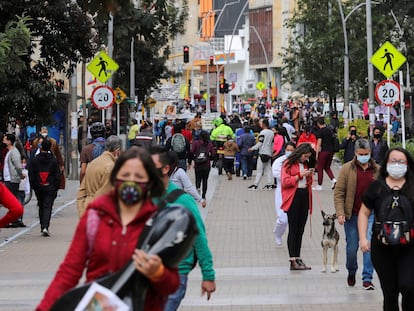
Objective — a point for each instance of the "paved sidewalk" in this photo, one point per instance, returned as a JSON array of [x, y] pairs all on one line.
[[252, 273]]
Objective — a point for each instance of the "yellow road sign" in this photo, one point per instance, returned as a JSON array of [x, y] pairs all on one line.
[[387, 59], [102, 67], [119, 95], [260, 85]]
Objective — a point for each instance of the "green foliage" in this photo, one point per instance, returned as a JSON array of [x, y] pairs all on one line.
[[314, 61]]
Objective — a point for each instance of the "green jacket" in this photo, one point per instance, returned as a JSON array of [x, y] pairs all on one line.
[[200, 250], [221, 132]]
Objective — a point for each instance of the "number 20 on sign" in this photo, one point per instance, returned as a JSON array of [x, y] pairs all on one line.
[[387, 93]]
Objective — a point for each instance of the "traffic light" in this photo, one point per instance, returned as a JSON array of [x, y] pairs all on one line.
[[221, 88], [185, 54], [189, 82], [211, 60], [226, 87], [59, 85]]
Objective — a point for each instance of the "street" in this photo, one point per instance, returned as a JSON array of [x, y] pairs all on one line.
[[251, 272]]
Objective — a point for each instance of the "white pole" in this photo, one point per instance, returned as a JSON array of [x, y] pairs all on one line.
[[402, 106], [388, 125]]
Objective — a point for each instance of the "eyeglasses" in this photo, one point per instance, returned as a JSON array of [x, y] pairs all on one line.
[[395, 161]]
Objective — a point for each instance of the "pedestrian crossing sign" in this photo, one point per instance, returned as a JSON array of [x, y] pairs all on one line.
[[387, 59], [119, 95], [102, 67]]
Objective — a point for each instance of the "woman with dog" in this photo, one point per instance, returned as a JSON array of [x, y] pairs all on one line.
[[296, 182], [353, 180], [282, 220], [392, 254]]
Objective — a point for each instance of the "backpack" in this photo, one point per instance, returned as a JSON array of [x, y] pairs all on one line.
[[394, 223], [335, 142], [202, 156], [178, 143], [98, 149]]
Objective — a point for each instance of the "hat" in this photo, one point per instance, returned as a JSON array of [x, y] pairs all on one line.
[[32, 136]]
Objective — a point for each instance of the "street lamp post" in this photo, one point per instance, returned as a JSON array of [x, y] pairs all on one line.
[[267, 60]]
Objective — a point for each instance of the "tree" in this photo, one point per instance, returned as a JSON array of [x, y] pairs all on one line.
[[63, 34], [314, 57], [152, 25]]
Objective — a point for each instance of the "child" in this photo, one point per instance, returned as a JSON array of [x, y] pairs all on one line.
[[230, 149]]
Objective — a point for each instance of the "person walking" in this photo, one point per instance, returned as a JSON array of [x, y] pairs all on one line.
[[230, 149], [96, 181], [180, 178], [202, 151], [246, 141], [378, 146], [265, 148], [281, 220], [44, 178], [296, 181], [94, 149], [324, 153], [12, 171], [393, 263], [200, 251], [133, 132], [353, 180], [10, 202], [121, 215]]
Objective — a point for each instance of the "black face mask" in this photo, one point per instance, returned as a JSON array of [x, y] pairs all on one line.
[[353, 132], [377, 135], [131, 192]]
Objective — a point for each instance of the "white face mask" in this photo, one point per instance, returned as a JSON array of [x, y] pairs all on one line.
[[396, 170], [43, 134]]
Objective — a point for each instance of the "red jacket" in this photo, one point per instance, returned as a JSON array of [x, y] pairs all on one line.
[[9, 201], [290, 182], [112, 249]]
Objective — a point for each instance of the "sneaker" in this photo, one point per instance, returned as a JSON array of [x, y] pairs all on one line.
[[351, 280], [333, 184], [252, 187], [267, 187], [367, 285], [45, 232], [199, 190], [244, 177], [278, 241], [318, 188]]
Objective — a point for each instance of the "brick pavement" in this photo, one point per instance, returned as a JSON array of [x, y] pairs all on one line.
[[252, 274]]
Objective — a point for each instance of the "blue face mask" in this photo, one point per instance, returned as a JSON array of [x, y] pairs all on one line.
[[288, 153], [363, 159]]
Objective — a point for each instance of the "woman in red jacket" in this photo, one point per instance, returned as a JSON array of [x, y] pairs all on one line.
[[296, 179], [122, 213], [9, 201]]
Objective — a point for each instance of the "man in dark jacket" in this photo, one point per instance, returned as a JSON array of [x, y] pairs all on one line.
[[44, 177], [348, 144]]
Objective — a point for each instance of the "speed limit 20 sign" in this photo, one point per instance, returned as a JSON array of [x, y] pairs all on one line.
[[387, 93], [103, 97]]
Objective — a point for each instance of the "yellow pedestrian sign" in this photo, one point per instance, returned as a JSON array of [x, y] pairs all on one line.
[[387, 59], [260, 85], [102, 67], [119, 95]]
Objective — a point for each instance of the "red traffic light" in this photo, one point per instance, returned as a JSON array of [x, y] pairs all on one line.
[[221, 88], [186, 56], [211, 60]]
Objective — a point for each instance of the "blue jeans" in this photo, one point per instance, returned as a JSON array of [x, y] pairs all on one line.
[[174, 300], [352, 245], [246, 165]]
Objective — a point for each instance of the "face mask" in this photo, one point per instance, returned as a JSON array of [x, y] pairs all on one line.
[[396, 170], [43, 134], [363, 158], [131, 192], [288, 153], [377, 135]]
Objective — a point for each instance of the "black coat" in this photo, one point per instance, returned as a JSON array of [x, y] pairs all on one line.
[[44, 173]]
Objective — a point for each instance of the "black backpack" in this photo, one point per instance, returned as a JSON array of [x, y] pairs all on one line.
[[394, 223]]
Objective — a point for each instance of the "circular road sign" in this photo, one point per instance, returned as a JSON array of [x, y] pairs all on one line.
[[103, 97], [387, 93]]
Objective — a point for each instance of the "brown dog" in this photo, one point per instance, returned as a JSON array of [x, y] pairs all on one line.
[[330, 239]]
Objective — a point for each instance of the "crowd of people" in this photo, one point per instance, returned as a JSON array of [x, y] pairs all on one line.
[[124, 187]]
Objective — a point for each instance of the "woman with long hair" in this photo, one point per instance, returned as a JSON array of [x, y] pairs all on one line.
[[393, 263], [202, 151], [121, 217], [296, 182]]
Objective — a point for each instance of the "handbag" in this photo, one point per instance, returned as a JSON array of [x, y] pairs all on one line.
[[264, 157]]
